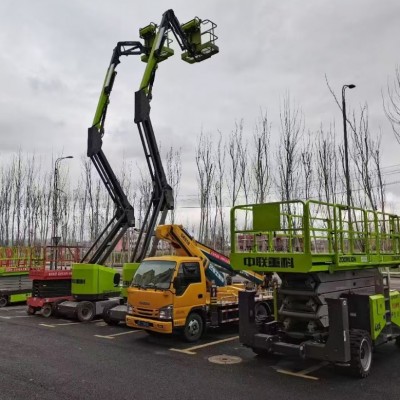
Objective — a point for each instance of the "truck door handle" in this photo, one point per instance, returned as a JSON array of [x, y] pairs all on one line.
[[199, 296]]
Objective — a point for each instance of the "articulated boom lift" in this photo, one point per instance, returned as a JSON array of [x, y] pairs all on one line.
[[93, 285], [189, 37]]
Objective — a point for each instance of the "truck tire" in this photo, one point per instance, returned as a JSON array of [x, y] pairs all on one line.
[[54, 307], [398, 341], [31, 310], [3, 301], [193, 328], [106, 315], [85, 311], [47, 310], [261, 352], [361, 353], [262, 310]]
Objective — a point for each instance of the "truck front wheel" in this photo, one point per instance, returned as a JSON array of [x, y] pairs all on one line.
[[106, 315], [193, 328]]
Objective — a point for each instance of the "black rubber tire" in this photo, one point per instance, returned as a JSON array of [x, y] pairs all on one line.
[[397, 341], [47, 310], [54, 306], [31, 310], [106, 316], [261, 352], [194, 328], [262, 310], [3, 301], [85, 311], [361, 353]]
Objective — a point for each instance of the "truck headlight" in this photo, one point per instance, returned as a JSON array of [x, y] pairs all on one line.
[[129, 309], [166, 312]]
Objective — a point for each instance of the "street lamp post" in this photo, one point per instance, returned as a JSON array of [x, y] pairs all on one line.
[[346, 156], [346, 151], [55, 238]]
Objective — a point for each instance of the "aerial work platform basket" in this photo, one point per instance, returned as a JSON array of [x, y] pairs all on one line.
[[55, 262], [303, 237]]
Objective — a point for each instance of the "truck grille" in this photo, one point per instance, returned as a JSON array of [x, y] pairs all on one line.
[[145, 312]]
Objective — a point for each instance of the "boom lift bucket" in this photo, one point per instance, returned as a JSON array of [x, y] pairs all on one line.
[[201, 50], [148, 34]]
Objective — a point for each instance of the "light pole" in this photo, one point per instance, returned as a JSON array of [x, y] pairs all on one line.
[[55, 238], [346, 150], [346, 159]]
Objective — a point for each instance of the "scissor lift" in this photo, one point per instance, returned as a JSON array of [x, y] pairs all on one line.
[[335, 301], [51, 279], [14, 268]]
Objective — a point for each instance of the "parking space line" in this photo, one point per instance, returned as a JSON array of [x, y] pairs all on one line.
[[116, 334], [65, 324], [13, 308], [15, 316], [304, 373], [201, 346]]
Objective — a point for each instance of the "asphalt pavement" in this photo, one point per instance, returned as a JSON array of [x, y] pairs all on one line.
[[57, 359]]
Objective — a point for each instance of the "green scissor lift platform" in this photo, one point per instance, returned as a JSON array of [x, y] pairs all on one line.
[[334, 302], [15, 263]]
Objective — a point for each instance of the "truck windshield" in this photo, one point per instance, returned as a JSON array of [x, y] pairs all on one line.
[[154, 274]]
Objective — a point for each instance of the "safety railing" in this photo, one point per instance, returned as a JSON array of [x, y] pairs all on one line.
[[304, 236]]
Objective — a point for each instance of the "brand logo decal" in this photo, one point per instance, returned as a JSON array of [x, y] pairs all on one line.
[[269, 262]]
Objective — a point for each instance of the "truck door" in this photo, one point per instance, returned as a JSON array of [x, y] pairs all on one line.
[[190, 291]]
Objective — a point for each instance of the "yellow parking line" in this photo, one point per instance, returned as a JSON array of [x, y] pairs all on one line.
[[314, 368], [282, 371], [304, 373], [116, 334], [190, 349]]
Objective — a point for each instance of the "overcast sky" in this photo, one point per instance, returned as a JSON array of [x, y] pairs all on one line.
[[54, 56]]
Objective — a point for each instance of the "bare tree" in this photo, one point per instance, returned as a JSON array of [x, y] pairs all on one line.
[[376, 155], [19, 177], [6, 204], [206, 170], [218, 226], [366, 156], [174, 175], [292, 128], [234, 150], [145, 189], [391, 104], [327, 166], [262, 160], [306, 160]]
